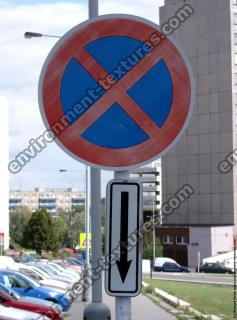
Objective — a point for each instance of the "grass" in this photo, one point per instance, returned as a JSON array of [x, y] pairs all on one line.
[[209, 299]]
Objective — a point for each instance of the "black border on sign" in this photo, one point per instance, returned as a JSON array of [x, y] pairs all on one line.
[[110, 237]]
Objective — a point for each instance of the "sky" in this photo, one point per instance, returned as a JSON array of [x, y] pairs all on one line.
[[21, 61]]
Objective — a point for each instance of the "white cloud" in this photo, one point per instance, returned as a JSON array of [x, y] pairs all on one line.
[[20, 63]]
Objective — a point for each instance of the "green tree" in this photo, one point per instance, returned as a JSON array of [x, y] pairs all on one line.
[[40, 233], [74, 225], [148, 246], [18, 222]]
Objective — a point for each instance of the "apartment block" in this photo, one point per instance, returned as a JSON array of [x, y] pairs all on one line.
[[209, 38]]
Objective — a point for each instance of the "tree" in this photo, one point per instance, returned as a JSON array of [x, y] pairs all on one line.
[[40, 233], [75, 224], [18, 222], [148, 246]]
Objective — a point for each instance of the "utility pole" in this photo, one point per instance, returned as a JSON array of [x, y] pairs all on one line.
[[96, 310]]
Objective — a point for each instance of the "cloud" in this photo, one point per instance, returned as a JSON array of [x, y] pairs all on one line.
[[21, 61]]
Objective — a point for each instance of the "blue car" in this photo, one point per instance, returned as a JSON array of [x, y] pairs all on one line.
[[28, 287], [16, 296], [174, 267]]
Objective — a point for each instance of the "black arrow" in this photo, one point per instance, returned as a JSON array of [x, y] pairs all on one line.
[[123, 264]]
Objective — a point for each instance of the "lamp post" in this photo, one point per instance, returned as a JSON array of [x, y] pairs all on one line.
[[30, 35]]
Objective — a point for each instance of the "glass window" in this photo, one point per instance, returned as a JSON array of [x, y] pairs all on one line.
[[235, 78], [234, 2], [181, 240], [235, 38], [235, 18], [235, 58], [167, 240]]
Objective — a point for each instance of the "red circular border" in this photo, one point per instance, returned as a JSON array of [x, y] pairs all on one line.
[[145, 151]]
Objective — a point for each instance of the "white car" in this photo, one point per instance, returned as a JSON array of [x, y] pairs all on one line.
[[8, 313], [43, 278], [59, 268], [159, 262]]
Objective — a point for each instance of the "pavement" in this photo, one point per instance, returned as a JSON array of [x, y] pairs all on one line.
[[142, 308], [217, 279]]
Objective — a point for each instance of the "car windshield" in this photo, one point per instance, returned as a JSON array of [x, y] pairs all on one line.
[[59, 268], [48, 270], [29, 280]]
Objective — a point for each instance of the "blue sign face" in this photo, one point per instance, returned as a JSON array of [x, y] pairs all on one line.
[[153, 92], [116, 92]]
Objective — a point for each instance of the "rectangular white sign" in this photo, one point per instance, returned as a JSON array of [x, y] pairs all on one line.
[[124, 218]]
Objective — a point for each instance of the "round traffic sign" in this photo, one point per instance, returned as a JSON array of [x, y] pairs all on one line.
[[116, 92]]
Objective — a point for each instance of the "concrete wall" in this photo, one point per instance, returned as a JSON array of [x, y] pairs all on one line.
[[209, 241], [206, 38], [4, 178]]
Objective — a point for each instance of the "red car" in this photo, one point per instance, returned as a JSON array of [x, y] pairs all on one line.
[[44, 310]]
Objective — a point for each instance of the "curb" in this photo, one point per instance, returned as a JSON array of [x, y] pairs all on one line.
[[179, 303]]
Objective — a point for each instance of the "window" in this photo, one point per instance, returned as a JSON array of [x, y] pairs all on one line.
[[235, 78], [235, 18], [181, 240], [235, 38], [235, 58], [167, 240], [234, 2]]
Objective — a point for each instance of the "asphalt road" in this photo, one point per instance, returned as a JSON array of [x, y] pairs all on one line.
[[218, 279]]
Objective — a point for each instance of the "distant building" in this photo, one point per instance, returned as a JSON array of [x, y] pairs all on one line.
[[150, 177], [206, 222], [50, 199]]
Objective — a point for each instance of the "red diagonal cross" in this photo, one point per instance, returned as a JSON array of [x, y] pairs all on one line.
[[117, 93]]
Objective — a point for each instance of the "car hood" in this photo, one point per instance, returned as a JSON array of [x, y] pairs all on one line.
[[17, 314], [51, 291]]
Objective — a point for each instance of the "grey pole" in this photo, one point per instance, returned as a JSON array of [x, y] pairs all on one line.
[[96, 310], [123, 305], [86, 273], [154, 231]]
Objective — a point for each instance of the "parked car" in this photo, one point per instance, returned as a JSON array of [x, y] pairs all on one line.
[[16, 302], [61, 269], [174, 267], [8, 313], [42, 278], [159, 262], [214, 268], [14, 294], [52, 273], [28, 287]]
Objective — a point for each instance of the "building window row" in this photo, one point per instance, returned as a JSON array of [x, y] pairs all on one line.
[[180, 240]]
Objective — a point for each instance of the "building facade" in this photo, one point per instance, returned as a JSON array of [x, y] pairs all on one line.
[[52, 200], [150, 178], [209, 38]]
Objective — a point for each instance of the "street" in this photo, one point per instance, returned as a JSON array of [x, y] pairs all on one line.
[[219, 279]]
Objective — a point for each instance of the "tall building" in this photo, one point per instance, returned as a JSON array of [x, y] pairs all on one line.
[[207, 220], [4, 179], [150, 177], [50, 199]]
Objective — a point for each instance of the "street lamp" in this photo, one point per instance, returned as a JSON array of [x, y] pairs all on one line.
[[30, 35]]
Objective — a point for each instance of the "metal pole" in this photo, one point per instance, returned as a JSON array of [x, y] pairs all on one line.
[[123, 305], [96, 310], [87, 209], [154, 231], [198, 268], [86, 274], [96, 232]]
